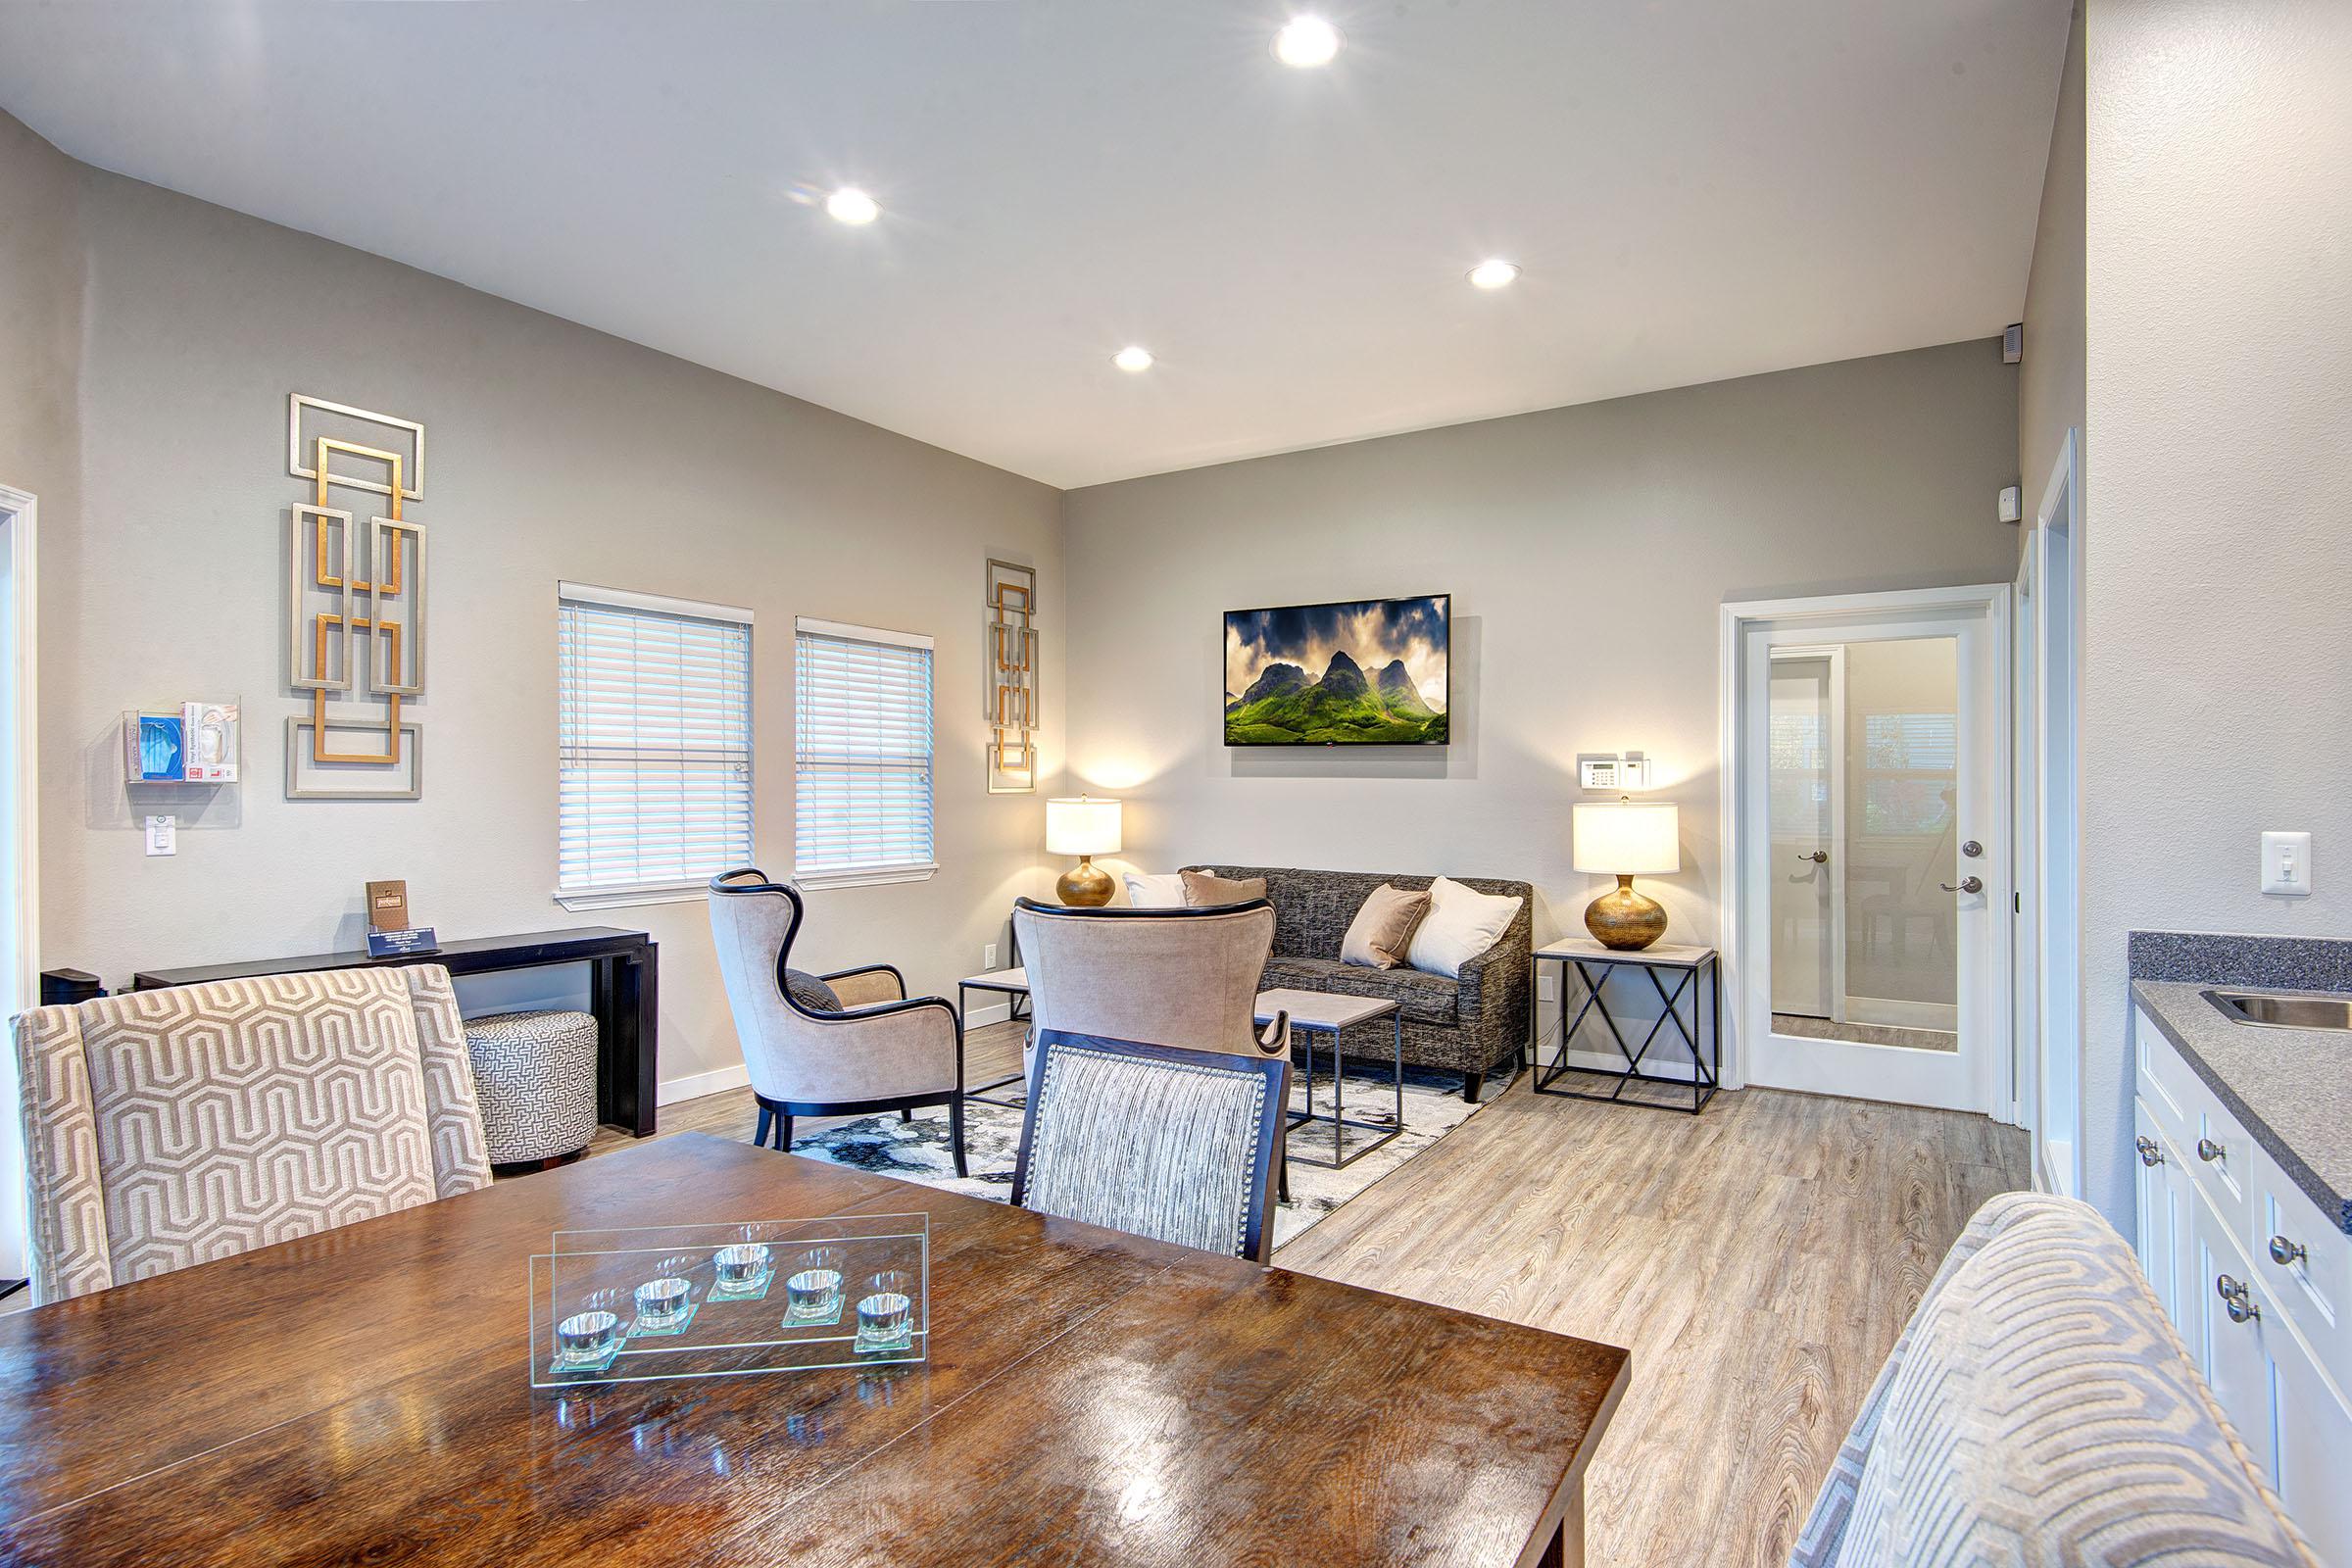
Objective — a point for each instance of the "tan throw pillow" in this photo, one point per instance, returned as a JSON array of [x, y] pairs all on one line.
[[1205, 890], [1382, 929]]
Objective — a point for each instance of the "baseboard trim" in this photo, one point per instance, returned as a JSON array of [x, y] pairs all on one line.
[[982, 1017], [698, 1084]]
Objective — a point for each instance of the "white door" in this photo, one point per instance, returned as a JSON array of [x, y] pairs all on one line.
[[18, 884], [1915, 862]]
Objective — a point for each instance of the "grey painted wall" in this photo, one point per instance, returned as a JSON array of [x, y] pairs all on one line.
[[40, 324], [556, 452], [2050, 393], [1586, 548], [2217, 563]]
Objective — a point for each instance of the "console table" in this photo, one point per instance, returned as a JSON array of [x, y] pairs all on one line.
[[1700, 975], [624, 970]]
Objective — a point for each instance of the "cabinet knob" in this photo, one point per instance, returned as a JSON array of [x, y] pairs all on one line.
[[2236, 1299], [2285, 1252], [2150, 1151], [2207, 1150]]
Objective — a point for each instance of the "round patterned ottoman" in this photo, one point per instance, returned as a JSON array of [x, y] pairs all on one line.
[[535, 1077]]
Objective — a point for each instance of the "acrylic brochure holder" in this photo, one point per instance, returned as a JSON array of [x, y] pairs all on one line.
[[726, 1300]]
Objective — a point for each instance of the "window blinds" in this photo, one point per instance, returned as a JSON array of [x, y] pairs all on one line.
[[654, 741], [863, 780]]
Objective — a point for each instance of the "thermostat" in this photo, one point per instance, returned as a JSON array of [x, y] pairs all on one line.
[[1612, 770]]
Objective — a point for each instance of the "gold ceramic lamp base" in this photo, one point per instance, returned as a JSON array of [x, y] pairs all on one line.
[[1624, 919], [1086, 887]]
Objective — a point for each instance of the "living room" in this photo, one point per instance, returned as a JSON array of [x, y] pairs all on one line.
[[889, 469]]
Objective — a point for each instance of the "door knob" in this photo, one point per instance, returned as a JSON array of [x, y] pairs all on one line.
[[2150, 1151], [1966, 884], [1818, 857]]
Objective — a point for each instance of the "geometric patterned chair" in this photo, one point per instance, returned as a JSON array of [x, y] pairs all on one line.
[[534, 1075], [168, 1128], [1179, 1146], [2039, 1408]]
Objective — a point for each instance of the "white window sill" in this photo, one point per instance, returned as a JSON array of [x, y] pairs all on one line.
[[873, 877], [629, 898]]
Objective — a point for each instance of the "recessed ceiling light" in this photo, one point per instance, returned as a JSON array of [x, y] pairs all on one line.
[[849, 205], [1133, 358], [1494, 274], [1306, 41]]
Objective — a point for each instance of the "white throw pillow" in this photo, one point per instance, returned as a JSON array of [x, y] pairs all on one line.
[[1155, 891], [1461, 925]]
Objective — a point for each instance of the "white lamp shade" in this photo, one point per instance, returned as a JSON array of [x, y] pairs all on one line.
[[1086, 825], [1626, 837]]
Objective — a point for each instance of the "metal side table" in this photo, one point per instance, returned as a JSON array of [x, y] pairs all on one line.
[[1595, 964], [1314, 1012], [1013, 984]]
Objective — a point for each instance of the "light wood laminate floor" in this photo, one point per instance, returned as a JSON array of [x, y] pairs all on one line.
[[1758, 1260]]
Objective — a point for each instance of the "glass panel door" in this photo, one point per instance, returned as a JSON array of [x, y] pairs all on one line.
[[1873, 867]]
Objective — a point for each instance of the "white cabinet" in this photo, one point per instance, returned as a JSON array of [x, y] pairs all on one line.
[[2269, 1336]]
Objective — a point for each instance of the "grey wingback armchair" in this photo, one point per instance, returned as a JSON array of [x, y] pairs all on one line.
[[835, 1044], [1185, 978]]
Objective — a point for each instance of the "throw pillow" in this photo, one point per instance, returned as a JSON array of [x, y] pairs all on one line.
[[1155, 891], [1382, 932], [810, 992], [1461, 925], [1205, 890]]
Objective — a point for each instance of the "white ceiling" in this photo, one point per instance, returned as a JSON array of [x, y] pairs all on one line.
[[1696, 190]]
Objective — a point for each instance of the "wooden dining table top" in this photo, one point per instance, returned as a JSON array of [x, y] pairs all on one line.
[[362, 1395]]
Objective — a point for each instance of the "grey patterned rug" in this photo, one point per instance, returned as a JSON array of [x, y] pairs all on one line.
[[918, 1150]]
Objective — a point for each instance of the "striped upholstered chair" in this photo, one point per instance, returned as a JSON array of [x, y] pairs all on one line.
[[2039, 1408], [169, 1128], [1180, 1146]]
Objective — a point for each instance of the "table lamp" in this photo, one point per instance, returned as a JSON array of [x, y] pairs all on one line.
[[1625, 839], [1086, 828]]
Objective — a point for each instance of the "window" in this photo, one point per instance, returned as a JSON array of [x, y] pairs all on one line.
[[862, 702], [653, 768]]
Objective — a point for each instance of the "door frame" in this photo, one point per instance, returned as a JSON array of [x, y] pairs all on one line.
[[1836, 616], [19, 517], [1832, 655], [2049, 685]]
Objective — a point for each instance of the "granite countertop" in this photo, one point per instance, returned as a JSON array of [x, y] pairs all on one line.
[[2292, 1087]]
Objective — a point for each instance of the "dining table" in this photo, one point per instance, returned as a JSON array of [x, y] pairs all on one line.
[[364, 1396]]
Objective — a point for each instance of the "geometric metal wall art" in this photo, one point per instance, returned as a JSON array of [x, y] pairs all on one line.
[[1010, 668], [354, 605]]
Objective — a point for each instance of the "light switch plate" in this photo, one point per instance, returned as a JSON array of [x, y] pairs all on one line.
[[2286, 863], [988, 959], [162, 835]]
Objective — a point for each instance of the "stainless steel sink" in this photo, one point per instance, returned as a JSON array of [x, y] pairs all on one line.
[[2284, 1012]]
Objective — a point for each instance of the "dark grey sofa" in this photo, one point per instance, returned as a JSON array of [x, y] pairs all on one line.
[[1473, 1025]]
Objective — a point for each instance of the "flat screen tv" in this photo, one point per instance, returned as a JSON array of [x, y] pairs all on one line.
[[1367, 673]]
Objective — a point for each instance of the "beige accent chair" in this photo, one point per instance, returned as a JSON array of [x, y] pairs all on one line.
[[169, 1128], [874, 1050], [1185, 978]]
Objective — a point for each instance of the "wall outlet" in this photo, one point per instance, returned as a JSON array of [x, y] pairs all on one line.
[[1547, 987], [987, 957], [162, 835], [2286, 863]]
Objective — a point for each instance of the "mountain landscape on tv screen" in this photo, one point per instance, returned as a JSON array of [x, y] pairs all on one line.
[[1348, 680]]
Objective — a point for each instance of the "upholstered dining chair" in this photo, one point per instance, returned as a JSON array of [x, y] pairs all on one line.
[[843, 1044], [172, 1127], [1179, 1146]]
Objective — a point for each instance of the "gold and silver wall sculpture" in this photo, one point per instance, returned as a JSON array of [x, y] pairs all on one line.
[[1010, 665], [355, 610]]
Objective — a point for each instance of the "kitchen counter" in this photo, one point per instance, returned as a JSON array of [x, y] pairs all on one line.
[[2292, 1087]]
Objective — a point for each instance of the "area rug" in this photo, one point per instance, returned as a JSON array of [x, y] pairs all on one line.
[[918, 1150]]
